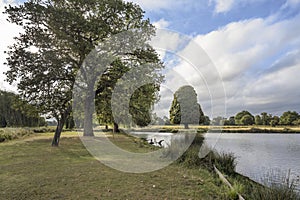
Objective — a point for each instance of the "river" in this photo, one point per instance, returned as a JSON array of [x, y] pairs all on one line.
[[262, 157]]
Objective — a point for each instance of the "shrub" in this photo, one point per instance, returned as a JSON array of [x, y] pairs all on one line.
[[276, 192], [278, 186], [14, 133], [44, 129], [233, 193], [225, 162]]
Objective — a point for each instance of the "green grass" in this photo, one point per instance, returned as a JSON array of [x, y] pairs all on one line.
[[32, 169]]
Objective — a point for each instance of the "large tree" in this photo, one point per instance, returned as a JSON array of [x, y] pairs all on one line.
[[289, 118], [244, 118], [257, 120], [185, 109], [138, 83], [266, 118], [58, 36]]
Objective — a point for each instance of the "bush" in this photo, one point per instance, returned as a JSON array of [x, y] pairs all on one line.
[[190, 156], [276, 192], [225, 162], [44, 129], [233, 193], [13, 133]]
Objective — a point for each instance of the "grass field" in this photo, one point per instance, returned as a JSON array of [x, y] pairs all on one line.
[[32, 169]]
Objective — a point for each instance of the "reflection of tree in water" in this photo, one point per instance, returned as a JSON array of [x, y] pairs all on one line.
[[185, 109]]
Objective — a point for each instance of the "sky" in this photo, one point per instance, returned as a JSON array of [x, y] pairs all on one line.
[[238, 55]]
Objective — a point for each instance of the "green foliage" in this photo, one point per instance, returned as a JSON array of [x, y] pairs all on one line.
[[70, 123], [258, 120], [248, 118], [237, 188], [206, 120], [276, 192], [190, 158], [265, 118], [275, 121], [296, 122], [15, 112], [141, 104], [62, 34], [225, 162], [185, 109], [141, 101], [289, 118], [175, 115], [14, 133], [3, 122], [230, 121]]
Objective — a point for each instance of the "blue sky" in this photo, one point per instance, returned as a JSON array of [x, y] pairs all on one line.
[[202, 17], [254, 46]]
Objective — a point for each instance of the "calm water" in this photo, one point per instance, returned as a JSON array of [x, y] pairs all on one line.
[[166, 137], [262, 157]]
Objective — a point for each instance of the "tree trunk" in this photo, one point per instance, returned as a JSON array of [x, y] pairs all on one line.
[[116, 128], [67, 123], [88, 114], [60, 126]]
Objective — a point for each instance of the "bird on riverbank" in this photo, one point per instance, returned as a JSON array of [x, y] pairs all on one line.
[[151, 142], [159, 143]]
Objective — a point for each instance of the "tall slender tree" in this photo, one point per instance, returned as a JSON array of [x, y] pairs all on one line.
[[185, 109]]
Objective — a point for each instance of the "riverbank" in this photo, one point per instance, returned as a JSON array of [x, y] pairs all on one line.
[[232, 129], [259, 129], [32, 169]]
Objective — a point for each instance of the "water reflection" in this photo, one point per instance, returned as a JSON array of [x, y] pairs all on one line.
[[261, 157]]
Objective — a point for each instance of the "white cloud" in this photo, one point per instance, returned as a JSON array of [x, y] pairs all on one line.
[[8, 32], [189, 65], [223, 5], [243, 53], [156, 5], [240, 51], [275, 90], [240, 46], [162, 23]]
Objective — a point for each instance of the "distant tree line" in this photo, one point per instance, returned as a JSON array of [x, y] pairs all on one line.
[[288, 118], [17, 113]]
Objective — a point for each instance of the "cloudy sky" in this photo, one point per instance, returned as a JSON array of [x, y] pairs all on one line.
[[238, 55], [253, 44]]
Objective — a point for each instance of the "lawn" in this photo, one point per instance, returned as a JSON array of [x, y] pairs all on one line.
[[32, 169]]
